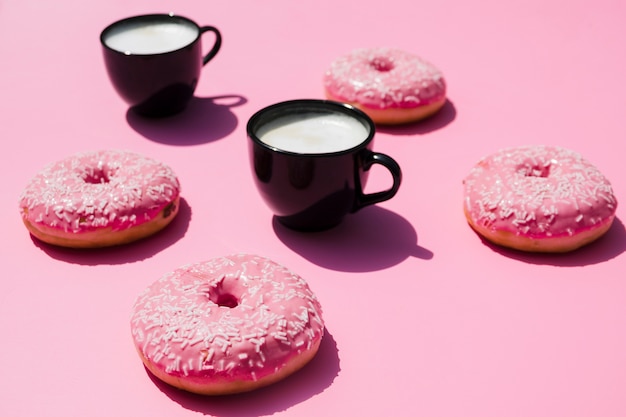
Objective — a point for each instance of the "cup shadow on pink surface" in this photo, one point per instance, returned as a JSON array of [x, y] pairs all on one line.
[[372, 239], [311, 380], [132, 252], [205, 120], [609, 246], [439, 120]]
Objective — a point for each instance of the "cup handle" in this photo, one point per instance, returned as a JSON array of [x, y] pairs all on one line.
[[370, 159], [216, 46]]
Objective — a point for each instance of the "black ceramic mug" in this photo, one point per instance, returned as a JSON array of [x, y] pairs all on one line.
[[310, 161], [154, 61]]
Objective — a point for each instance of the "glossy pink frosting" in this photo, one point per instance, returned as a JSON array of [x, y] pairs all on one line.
[[233, 318], [383, 78], [538, 192], [94, 190]]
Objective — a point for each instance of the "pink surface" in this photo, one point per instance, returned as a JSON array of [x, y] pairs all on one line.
[[422, 317]]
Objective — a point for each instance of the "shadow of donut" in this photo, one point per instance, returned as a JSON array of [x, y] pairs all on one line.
[[607, 247], [312, 379], [439, 120], [128, 253], [205, 120], [372, 239]]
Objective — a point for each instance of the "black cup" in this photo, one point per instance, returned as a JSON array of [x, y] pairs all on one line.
[[314, 191], [157, 83]]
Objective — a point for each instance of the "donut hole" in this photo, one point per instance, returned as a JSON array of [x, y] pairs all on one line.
[[224, 294], [225, 300], [534, 169], [97, 175], [382, 64]]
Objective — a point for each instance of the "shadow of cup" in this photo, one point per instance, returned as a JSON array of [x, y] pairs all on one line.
[[372, 239], [204, 120]]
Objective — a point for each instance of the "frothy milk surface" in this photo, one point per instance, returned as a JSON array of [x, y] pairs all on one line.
[[313, 133], [150, 37]]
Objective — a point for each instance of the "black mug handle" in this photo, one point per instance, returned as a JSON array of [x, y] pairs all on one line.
[[370, 159], [216, 46]]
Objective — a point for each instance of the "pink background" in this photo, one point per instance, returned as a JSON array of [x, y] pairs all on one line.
[[423, 318]]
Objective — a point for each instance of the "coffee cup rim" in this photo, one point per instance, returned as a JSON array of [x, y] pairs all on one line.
[[147, 17], [289, 107]]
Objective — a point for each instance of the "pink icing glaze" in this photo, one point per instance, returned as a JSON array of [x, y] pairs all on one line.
[[239, 317], [384, 78], [94, 190], [538, 192]]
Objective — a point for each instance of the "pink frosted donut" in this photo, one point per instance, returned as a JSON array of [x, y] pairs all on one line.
[[227, 325], [390, 85], [99, 199], [538, 199]]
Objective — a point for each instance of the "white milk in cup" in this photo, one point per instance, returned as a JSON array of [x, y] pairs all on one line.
[[313, 133], [146, 38]]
